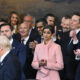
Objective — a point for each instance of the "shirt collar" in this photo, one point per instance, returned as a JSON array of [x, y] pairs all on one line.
[[54, 39], [25, 40], [2, 58], [77, 30], [11, 41]]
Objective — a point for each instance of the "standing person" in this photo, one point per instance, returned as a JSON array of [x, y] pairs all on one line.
[[14, 20], [68, 40], [9, 64], [48, 57], [33, 36], [40, 24], [17, 48]]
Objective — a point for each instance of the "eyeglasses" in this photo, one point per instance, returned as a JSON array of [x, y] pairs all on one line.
[[39, 26]]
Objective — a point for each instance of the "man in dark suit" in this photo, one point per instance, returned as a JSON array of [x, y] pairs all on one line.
[[29, 34], [75, 24], [17, 48], [9, 63], [40, 24], [68, 39]]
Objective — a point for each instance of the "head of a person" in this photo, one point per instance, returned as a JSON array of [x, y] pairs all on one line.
[[40, 24], [62, 21], [6, 30], [29, 20], [50, 19], [48, 32], [4, 45], [14, 18], [75, 20], [23, 30], [2, 21], [66, 21]]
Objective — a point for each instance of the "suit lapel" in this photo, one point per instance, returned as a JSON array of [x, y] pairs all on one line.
[[4, 61]]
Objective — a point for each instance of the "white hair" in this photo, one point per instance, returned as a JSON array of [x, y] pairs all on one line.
[[5, 43]]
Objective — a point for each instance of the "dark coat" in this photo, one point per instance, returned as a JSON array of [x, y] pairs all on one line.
[[10, 68]]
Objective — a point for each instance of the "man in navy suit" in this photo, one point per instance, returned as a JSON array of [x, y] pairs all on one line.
[[17, 48], [9, 63], [29, 34]]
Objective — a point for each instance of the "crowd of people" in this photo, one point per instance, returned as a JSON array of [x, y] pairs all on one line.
[[40, 49]]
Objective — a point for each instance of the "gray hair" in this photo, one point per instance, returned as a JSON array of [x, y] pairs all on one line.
[[5, 43]]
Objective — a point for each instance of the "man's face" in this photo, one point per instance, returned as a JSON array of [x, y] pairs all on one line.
[[67, 23], [23, 30], [62, 21], [40, 27], [6, 31], [28, 21], [50, 20], [75, 22]]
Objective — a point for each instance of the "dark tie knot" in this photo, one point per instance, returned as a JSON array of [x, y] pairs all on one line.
[[22, 41]]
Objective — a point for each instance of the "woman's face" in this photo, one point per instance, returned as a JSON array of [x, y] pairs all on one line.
[[14, 19], [47, 35]]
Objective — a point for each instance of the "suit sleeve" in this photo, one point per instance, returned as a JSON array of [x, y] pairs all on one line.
[[35, 63], [58, 65]]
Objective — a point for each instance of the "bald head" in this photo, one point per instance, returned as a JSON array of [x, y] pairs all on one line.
[[29, 20]]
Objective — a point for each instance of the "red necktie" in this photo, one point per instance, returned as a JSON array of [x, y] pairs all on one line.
[[22, 41]]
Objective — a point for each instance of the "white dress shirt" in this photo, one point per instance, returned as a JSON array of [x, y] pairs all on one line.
[[25, 40], [2, 57]]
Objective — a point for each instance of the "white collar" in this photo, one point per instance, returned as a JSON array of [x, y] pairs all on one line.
[[25, 40], [11, 41], [2, 58], [54, 39], [77, 30]]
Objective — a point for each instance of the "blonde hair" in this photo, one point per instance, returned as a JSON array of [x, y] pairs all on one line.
[[5, 43]]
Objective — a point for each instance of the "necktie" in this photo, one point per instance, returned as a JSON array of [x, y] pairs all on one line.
[[22, 41]]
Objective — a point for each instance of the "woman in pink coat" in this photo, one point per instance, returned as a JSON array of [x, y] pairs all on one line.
[[48, 58]]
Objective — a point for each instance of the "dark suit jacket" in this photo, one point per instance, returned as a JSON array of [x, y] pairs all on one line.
[[10, 68], [29, 71], [78, 72], [77, 62], [68, 57], [20, 51]]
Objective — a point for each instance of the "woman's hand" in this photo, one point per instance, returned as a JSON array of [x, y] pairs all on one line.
[[42, 62]]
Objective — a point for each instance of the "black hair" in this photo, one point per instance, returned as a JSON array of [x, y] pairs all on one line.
[[49, 14], [5, 24], [41, 20], [77, 14], [51, 28], [67, 17]]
